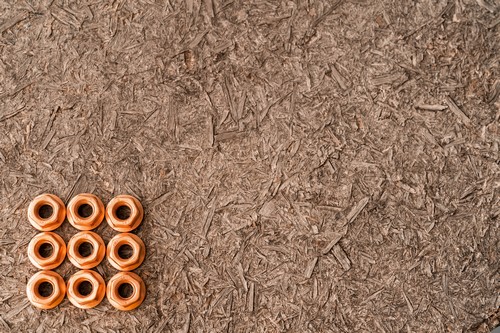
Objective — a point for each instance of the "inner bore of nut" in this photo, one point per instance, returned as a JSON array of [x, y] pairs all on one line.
[[125, 251], [85, 249], [125, 290], [84, 288], [45, 211], [85, 210], [123, 212], [45, 250], [45, 289]]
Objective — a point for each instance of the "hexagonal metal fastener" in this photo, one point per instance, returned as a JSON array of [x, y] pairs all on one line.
[[126, 263], [35, 296], [86, 299], [126, 302], [128, 223], [52, 242], [56, 217], [76, 217], [97, 250]]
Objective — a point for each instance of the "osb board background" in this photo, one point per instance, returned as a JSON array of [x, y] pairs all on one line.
[[305, 166]]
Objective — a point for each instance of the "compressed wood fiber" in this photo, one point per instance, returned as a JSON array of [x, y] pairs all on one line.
[[304, 166]]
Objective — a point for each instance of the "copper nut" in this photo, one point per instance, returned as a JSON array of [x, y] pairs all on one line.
[[52, 300], [138, 252], [85, 222], [122, 302], [91, 260], [48, 223], [55, 258], [129, 223], [95, 295]]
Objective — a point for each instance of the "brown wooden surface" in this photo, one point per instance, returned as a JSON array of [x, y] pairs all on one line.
[[304, 166]]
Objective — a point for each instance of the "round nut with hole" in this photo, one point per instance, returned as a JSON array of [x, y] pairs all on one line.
[[78, 218], [128, 223], [51, 222], [83, 260], [56, 295], [128, 263], [126, 302], [89, 298], [36, 250]]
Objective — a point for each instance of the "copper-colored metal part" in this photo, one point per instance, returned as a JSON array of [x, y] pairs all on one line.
[[81, 222], [95, 295], [52, 300], [91, 260], [130, 223], [55, 258], [54, 220], [138, 252], [126, 303]]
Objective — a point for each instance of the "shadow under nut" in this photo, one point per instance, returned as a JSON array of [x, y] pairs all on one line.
[[53, 259], [95, 294], [85, 222], [97, 254], [128, 302], [51, 222], [136, 258], [129, 223], [42, 301]]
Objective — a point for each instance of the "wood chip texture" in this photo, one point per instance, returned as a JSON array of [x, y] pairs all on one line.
[[305, 166]]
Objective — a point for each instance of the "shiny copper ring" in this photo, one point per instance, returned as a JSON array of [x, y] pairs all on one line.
[[86, 249], [46, 289], [132, 216], [85, 211], [46, 212], [126, 291], [46, 250], [86, 289], [122, 260]]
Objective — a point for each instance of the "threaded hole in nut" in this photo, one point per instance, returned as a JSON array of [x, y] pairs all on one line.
[[123, 212], [85, 210], [125, 251], [85, 249], [45, 289], [45, 211], [125, 290], [84, 288], [45, 250]]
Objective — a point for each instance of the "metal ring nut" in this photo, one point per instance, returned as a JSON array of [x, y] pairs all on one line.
[[96, 294], [138, 252], [94, 258], [126, 303], [129, 223], [85, 222], [55, 258], [51, 222], [58, 289]]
